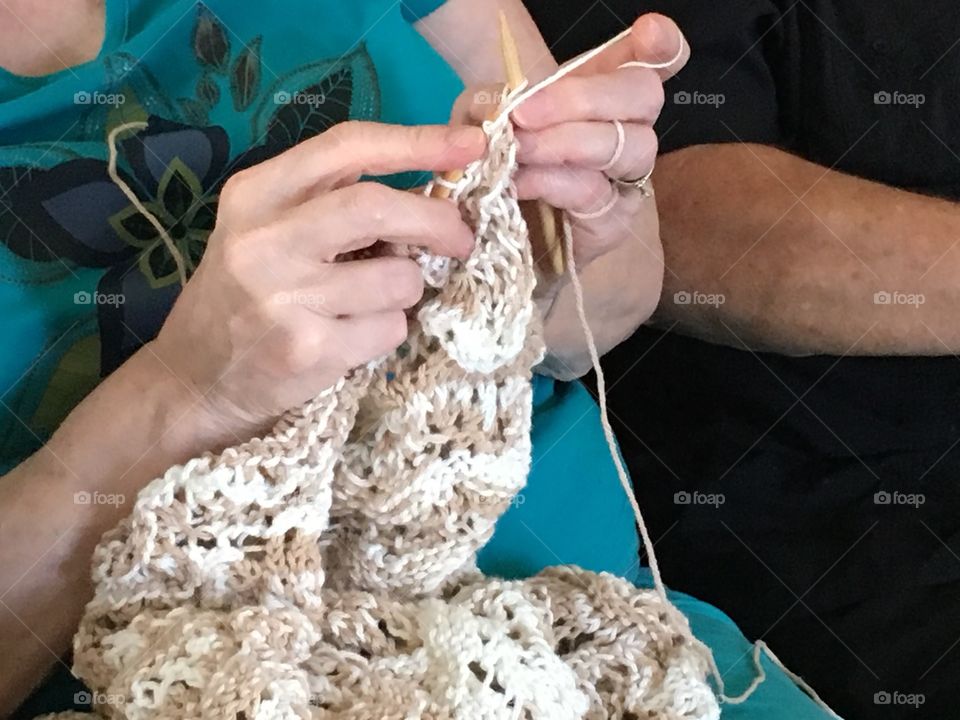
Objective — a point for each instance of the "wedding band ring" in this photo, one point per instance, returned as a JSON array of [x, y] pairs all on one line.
[[634, 184]]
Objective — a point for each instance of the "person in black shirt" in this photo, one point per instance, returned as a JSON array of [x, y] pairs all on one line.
[[805, 370]]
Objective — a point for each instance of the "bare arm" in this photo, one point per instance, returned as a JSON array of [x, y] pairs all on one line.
[[807, 260], [56, 505], [622, 285]]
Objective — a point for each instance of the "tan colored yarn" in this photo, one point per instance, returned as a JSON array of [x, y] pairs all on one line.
[[327, 570]]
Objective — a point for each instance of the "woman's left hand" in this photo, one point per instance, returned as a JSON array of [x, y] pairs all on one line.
[[572, 153]]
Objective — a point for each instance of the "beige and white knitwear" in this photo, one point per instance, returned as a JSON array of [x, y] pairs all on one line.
[[327, 570]]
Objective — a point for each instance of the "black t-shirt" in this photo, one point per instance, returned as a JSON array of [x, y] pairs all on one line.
[[858, 595]]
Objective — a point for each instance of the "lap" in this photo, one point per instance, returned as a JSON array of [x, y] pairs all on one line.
[[573, 511]]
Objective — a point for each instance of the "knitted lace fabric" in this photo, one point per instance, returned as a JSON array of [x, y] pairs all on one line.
[[327, 570]]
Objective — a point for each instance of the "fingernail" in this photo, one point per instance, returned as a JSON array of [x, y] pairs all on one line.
[[466, 137], [658, 37]]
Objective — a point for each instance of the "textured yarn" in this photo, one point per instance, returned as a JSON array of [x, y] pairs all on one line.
[[327, 570]]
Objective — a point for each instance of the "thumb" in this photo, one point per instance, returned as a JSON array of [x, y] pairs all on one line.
[[654, 39]]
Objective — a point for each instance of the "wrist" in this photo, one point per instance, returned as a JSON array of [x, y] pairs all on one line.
[[186, 421], [137, 423]]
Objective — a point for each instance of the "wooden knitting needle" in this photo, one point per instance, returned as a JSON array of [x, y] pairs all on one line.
[[515, 77]]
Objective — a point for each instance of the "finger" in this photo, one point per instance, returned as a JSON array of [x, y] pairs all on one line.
[[355, 217], [362, 338], [364, 287], [591, 145], [347, 151], [634, 94], [654, 39], [577, 189]]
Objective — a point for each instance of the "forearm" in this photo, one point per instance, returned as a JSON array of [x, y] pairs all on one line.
[[798, 257], [55, 506], [466, 33]]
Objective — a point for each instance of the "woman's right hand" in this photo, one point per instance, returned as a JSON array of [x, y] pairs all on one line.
[[269, 319]]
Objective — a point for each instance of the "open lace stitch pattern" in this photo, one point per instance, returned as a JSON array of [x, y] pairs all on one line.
[[327, 570]]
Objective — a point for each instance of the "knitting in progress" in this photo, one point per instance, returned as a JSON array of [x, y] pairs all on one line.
[[327, 570]]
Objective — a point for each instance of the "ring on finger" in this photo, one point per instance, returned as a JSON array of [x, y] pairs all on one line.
[[634, 184], [618, 151]]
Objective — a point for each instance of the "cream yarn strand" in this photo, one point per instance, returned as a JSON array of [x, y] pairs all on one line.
[[136, 202]]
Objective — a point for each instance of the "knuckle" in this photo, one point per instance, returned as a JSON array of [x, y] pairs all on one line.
[[448, 214], [395, 330], [657, 94], [534, 182], [651, 146], [419, 136], [440, 218], [367, 196], [598, 189], [365, 201], [235, 189], [344, 132], [292, 354], [234, 257], [237, 328], [301, 355], [650, 94], [578, 98], [404, 282], [244, 256]]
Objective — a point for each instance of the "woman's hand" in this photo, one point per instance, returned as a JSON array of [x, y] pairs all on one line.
[[270, 319], [571, 152]]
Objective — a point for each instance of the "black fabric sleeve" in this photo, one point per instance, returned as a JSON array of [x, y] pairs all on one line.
[[729, 91]]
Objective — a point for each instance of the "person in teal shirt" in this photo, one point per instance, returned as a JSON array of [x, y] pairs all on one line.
[[213, 121]]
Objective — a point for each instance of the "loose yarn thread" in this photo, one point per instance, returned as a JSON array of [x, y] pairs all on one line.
[[136, 202]]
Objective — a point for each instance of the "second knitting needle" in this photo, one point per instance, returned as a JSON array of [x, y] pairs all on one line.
[[515, 77]]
